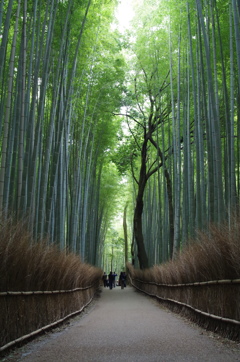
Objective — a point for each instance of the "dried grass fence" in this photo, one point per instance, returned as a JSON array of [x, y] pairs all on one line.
[[215, 305], [203, 282], [26, 314], [40, 285]]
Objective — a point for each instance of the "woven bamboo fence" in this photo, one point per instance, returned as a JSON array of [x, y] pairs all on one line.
[[26, 314], [214, 305]]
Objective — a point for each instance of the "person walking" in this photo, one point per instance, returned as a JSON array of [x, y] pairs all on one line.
[[114, 279], [111, 279], [104, 279], [122, 280]]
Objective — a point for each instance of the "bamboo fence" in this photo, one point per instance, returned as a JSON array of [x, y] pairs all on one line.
[[214, 305], [24, 315]]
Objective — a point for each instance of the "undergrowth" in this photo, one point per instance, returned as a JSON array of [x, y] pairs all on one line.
[[27, 265], [213, 255]]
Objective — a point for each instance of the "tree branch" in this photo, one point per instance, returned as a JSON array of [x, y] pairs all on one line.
[[160, 154], [132, 170], [129, 116], [135, 139], [140, 108], [150, 173]]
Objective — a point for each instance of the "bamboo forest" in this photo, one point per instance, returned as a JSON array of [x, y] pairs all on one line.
[[120, 144]]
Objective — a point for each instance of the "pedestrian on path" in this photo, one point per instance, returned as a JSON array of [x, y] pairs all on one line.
[[114, 279], [122, 279], [111, 279], [104, 279]]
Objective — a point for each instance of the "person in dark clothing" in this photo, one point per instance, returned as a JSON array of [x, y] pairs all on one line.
[[104, 279], [111, 279], [122, 279], [114, 279]]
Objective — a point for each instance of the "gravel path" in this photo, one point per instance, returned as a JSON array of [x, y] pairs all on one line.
[[123, 325]]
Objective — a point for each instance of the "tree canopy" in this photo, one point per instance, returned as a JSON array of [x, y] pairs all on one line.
[[83, 105]]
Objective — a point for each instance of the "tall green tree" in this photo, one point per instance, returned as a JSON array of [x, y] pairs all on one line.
[[197, 139]]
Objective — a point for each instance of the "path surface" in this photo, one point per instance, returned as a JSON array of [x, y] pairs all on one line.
[[123, 325]]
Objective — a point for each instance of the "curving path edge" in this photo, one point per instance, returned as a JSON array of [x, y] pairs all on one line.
[[124, 325]]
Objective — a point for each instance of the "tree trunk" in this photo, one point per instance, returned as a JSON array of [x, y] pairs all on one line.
[[137, 221], [142, 255]]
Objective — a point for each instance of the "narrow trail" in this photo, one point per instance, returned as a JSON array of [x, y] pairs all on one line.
[[123, 325]]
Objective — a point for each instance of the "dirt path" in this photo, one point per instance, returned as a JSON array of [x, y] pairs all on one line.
[[123, 325]]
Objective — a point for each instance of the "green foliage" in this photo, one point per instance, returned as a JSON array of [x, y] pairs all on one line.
[[73, 84], [86, 98], [109, 189], [180, 71], [125, 154]]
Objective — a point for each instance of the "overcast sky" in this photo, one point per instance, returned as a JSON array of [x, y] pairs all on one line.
[[124, 14]]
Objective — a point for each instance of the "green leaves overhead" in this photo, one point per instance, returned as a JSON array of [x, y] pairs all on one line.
[[80, 102]]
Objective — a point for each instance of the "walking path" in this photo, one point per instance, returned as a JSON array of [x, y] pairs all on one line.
[[125, 326]]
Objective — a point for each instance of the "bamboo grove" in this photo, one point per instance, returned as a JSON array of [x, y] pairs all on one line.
[[182, 111], [69, 82], [60, 72]]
